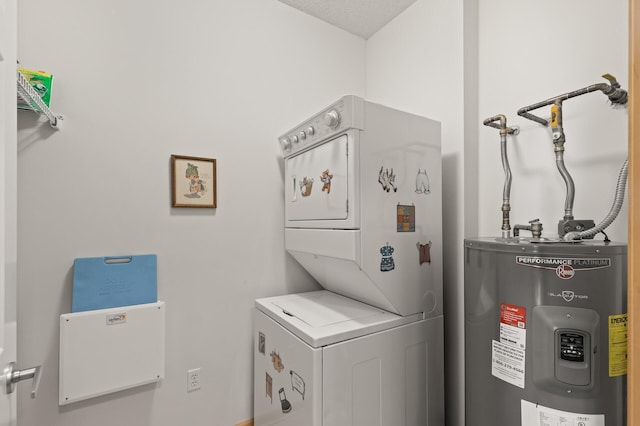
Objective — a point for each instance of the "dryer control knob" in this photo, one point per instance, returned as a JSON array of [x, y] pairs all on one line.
[[332, 119], [294, 139], [286, 145], [302, 135], [310, 130]]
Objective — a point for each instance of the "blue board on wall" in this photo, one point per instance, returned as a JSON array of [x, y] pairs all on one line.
[[109, 282]]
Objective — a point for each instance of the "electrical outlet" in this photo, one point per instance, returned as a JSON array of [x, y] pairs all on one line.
[[193, 379]]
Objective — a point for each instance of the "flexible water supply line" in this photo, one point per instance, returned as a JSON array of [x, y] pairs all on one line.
[[617, 96], [506, 192], [613, 213], [569, 198], [558, 142]]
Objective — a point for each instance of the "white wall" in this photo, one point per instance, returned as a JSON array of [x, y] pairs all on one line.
[[530, 52], [221, 79], [137, 82]]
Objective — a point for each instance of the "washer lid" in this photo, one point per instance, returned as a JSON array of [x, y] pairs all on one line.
[[322, 318]]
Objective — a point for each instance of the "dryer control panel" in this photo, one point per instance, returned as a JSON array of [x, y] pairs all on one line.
[[342, 115]]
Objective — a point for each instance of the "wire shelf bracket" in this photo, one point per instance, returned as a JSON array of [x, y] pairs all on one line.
[[31, 98]]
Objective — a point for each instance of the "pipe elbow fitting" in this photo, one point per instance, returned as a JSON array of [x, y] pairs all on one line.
[[619, 97]]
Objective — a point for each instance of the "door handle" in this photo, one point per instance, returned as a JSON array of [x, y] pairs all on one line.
[[14, 376]]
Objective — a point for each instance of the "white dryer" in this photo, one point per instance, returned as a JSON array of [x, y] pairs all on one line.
[[363, 196]]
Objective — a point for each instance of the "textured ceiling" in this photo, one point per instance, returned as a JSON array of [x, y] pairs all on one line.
[[360, 17]]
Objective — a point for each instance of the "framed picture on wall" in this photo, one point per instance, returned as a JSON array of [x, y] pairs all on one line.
[[193, 182]]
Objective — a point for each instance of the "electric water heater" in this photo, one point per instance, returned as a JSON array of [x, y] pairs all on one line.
[[546, 316], [546, 333]]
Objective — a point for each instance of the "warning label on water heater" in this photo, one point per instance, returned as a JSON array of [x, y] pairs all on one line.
[[508, 355], [617, 345], [507, 363], [513, 325]]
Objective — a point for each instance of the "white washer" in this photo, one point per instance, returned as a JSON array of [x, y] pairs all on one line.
[[363, 196], [326, 360]]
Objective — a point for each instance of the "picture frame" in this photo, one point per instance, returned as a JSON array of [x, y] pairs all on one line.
[[193, 182]]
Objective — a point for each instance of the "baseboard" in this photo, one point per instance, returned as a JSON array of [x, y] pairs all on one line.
[[246, 423]]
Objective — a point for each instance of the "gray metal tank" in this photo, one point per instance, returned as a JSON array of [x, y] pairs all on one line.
[[545, 332]]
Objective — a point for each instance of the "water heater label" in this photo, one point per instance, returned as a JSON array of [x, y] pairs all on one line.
[[513, 325], [565, 267], [507, 363], [538, 415], [617, 345], [508, 355]]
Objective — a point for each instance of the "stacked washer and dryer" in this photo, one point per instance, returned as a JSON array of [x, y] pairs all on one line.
[[363, 207]]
